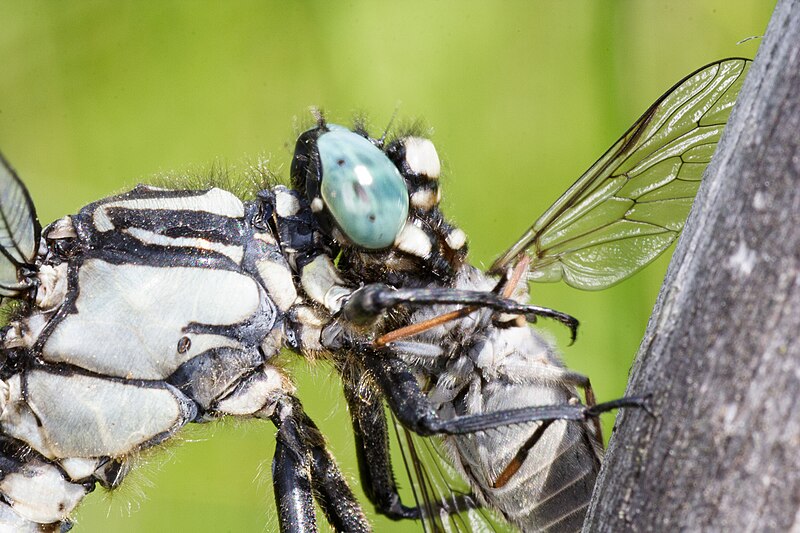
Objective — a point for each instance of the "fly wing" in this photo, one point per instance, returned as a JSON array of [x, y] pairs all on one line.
[[444, 497], [19, 230], [633, 202]]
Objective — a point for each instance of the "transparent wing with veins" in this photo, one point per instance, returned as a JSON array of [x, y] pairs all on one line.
[[444, 497], [19, 231], [633, 202]]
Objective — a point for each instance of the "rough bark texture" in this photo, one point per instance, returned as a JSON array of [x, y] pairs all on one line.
[[721, 355]]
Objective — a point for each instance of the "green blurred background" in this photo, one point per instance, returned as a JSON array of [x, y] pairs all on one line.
[[521, 96]]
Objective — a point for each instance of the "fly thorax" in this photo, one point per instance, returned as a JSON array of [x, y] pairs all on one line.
[[450, 382], [485, 357]]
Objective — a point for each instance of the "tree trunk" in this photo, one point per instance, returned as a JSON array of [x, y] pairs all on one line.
[[721, 355]]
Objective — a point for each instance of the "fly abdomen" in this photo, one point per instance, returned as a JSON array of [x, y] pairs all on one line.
[[539, 476], [551, 489]]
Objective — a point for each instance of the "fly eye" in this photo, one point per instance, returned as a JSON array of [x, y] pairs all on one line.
[[362, 189]]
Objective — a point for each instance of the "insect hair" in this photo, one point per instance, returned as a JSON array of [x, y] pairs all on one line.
[[244, 178]]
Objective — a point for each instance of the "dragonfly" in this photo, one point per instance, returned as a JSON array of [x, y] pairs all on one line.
[[95, 369], [435, 337], [144, 312]]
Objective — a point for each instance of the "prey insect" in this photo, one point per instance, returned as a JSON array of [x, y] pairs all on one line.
[[512, 422]]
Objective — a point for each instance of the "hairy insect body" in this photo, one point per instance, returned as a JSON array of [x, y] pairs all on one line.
[[492, 366], [481, 364], [493, 388]]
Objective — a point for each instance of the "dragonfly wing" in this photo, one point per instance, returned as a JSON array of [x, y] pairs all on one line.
[[19, 230], [445, 498], [633, 202]]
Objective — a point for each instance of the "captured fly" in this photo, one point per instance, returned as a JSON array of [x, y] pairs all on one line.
[[416, 326]]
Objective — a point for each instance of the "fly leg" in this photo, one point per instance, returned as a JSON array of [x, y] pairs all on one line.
[[302, 467], [563, 376], [413, 409], [577, 379]]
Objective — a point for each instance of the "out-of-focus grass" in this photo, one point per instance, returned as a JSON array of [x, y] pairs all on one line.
[[521, 96]]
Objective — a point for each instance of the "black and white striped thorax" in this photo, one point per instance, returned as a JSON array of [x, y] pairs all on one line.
[[152, 309], [146, 255]]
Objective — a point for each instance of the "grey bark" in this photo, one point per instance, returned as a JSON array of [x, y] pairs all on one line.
[[721, 355]]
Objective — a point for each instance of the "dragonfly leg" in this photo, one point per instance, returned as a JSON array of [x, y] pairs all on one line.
[[302, 468], [375, 464], [413, 409], [372, 449], [371, 300], [576, 379]]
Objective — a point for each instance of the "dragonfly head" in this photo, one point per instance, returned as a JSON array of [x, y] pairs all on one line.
[[379, 201], [352, 186]]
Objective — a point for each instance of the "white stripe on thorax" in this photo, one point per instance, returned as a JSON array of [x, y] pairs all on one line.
[[235, 253], [214, 201]]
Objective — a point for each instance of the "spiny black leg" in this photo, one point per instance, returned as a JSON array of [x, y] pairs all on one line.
[[372, 449], [333, 494], [291, 475], [402, 393], [371, 300], [302, 468], [413, 409]]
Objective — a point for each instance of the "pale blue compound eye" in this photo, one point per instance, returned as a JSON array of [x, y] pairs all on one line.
[[362, 189]]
